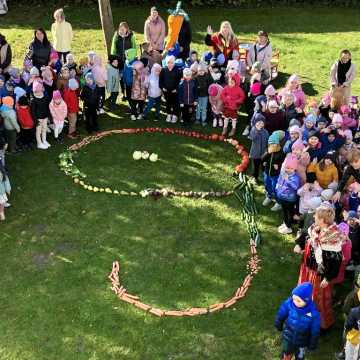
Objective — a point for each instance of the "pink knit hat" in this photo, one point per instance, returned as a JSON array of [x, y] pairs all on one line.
[[344, 228], [326, 99], [298, 145], [54, 55], [345, 109], [255, 89], [213, 90], [37, 86], [270, 91], [294, 77], [57, 95], [291, 162], [337, 118]]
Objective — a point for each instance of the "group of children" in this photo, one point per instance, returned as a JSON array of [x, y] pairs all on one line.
[[300, 146]]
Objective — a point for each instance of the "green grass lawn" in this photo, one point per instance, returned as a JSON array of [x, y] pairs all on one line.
[[59, 241]]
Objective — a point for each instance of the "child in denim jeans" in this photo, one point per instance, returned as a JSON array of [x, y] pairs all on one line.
[[272, 161], [203, 83], [154, 92]]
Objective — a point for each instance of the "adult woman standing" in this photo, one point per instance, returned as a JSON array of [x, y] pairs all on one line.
[[39, 49], [62, 34], [223, 41], [342, 74], [123, 40], [261, 52], [5, 55], [154, 30], [322, 258]]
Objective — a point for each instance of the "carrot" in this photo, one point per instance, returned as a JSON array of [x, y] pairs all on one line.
[[174, 26], [156, 312], [142, 306]]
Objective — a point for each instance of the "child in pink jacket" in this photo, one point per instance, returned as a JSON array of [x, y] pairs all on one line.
[[216, 104], [58, 110], [308, 191], [100, 77], [346, 252], [348, 122], [293, 86]]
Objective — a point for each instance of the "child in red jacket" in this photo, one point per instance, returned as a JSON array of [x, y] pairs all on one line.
[[26, 122], [71, 99], [232, 96]]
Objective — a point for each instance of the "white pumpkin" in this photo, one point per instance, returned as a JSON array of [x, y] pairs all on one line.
[[137, 155]]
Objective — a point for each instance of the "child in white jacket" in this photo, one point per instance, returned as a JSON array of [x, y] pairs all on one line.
[[154, 92]]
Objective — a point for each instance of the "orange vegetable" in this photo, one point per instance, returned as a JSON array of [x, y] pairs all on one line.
[[174, 26]]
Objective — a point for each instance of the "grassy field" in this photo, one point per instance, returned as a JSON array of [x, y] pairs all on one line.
[[59, 241]]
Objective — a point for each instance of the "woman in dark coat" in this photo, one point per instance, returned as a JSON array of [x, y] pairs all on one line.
[[39, 49], [5, 55]]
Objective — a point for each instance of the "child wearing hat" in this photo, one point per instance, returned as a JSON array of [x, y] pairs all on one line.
[[113, 79], [293, 86], [352, 219], [5, 187], [188, 96], [352, 300], [71, 99], [138, 90], [303, 157], [271, 161], [154, 92], [40, 113], [90, 97], [58, 110], [314, 146], [325, 170], [100, 78], [348, 121], [259, 140], [169, 81], [216, 104], [203, 81], [309, 126], [294, 135], [299, 321], [11, 125], [232, 97], [288, 106], [275, 118], [347, 148], [26, 122], [308, 191], [286, 192]]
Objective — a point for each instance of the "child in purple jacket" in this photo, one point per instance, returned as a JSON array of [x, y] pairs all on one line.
[[286, 193]]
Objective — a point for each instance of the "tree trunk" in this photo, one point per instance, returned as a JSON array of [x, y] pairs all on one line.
[[106, 22]]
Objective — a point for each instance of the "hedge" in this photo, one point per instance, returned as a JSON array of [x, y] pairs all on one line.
[[229, 3]]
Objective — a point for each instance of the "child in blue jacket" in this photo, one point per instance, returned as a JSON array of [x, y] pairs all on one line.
[[299, 321], [286, 192]]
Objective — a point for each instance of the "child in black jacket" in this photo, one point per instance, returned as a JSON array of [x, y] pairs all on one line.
[[90, 96], [40, 113]]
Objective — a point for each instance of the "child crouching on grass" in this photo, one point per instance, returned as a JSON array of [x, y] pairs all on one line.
[[299, 321]]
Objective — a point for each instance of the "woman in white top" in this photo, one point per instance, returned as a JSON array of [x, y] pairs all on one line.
[[62, 34], [261, 52]]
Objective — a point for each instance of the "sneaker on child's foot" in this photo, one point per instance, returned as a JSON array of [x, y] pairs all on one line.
[[285, 230], [101, 111], [42, 146], [133, 117], [7, 205], [214, 123], [281, 226], [246, 131], [168, 118], [46, 144], [140, 117], [267, 201], [174, 119], [156, 119], [276, 207]]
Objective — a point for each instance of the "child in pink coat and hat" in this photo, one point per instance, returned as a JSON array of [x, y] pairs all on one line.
[[216, 104], [58, 110], [293, 86], [348, 122], [100, 77]]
